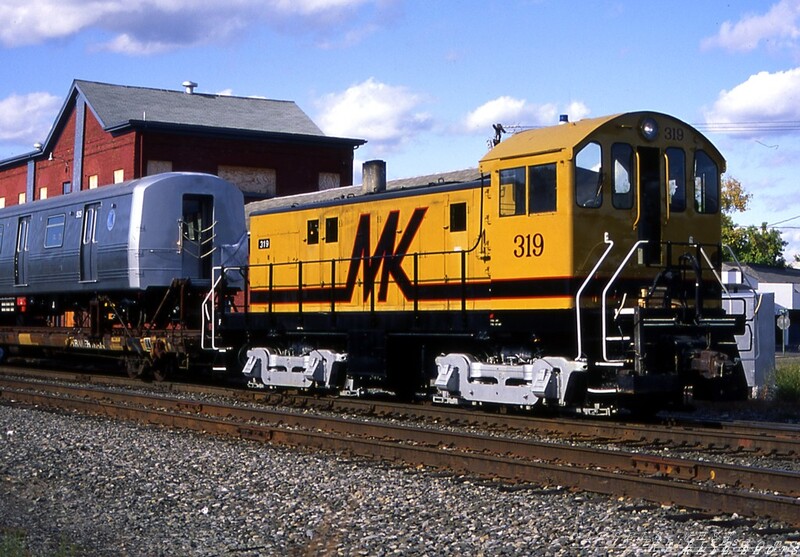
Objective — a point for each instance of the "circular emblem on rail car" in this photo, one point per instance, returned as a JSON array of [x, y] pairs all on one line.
[[112, 218]]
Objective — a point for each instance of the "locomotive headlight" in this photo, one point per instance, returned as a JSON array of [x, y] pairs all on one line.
[[649, 129]]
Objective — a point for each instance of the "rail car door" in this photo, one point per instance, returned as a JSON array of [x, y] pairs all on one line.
[[650, 190], [89, 243], [20, 255], [197, 236]]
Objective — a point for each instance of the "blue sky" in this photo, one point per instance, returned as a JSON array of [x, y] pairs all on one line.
[[423, 80]]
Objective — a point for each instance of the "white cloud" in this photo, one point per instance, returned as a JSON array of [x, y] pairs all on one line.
[[26, 119], [151, 26], [519, 112], [764, 97], [385, 115], [778, 27]]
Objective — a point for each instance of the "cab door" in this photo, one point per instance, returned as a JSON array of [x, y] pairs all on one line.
[[649, 203], [21, 253], [89, 243], [197, 236]]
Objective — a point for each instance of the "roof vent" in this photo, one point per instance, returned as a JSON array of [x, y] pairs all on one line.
[[189, 86]]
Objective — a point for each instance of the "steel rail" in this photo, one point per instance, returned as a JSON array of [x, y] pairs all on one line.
[[766, 438], [541, 463]]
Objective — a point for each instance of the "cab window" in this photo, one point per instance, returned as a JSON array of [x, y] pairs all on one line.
[[542, 185], [312, 231], [331, 230], [589, 176], [706, 184], [676, 167], [512, 191], [458, 217], [622, 165]]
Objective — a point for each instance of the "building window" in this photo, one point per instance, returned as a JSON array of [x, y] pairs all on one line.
[[158, 167], [119, 176], [331, 230], [54, 231], [43, 193], [2, 202], [66, 188], [21, 198], [313, 232], [329, 180], [93, 182], [458, 217], [258, 181]]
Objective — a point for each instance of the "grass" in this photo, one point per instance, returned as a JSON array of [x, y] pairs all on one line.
[[787, 381], [12, 544]]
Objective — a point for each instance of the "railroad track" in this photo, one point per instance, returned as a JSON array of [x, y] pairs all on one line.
[[711, 487], [685, 435]]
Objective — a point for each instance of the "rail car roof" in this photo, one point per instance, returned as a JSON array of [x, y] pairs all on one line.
[[86, 196], [565, 136]]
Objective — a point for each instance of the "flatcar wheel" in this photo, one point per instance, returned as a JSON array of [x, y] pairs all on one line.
[[135, 367], [162, 371]]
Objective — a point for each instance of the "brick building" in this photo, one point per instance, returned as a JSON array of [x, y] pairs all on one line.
[[110, 133]]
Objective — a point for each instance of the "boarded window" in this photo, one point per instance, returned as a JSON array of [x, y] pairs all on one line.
[[260, 181], [158, 167], [329, 180]]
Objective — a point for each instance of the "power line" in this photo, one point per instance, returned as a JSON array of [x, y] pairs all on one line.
[[741, 127]]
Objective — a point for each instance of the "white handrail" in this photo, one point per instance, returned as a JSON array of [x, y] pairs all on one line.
[[209, 301], [605, 293], [610, 244]]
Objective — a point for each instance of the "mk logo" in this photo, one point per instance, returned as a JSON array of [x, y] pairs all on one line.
[[387, 257]]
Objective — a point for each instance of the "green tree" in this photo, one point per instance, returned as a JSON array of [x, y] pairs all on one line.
[[751, 244]]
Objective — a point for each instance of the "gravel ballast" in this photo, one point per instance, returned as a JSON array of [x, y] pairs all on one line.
[[101, 487]]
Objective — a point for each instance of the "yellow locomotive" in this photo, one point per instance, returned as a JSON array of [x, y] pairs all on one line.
[[580, 269]]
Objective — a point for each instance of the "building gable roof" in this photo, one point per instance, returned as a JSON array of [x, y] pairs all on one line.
[[767, 273], [121, 107], [118, 106]]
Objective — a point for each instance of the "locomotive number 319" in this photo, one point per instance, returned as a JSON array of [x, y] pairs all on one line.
[[528, 245]]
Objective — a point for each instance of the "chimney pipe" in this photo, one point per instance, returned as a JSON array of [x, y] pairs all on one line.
[[373, 176]]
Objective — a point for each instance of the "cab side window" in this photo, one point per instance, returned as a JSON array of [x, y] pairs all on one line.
[[706, 184], [542, 184], [676, 169], [622, 166], [589, 176], [512, 191]]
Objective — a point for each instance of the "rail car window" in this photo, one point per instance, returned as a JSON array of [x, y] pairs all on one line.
[[312, 237], [512, 191], [706, 184], [458, 217], [676, 168], [54, 231], [589, 176], [331, 230], [542, 186], [622, 161]]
